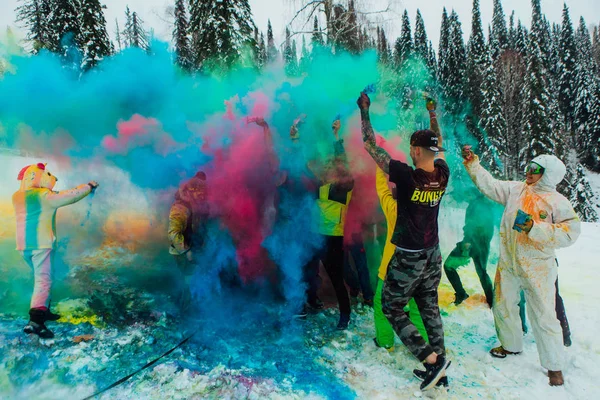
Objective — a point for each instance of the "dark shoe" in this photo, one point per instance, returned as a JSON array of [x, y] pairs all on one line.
[[50, 316], [316, 303], [38, 329], [567, 341], [368, 303], [556, 378], [500, 352], [420, 375], [459, 298], [343, 323], [434, 372]]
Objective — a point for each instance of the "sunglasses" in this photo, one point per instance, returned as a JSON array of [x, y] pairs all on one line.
[[534, 169]]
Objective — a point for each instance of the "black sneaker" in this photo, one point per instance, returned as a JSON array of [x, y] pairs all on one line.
[[38, 329], [433, 372], [459, 298], [420, 375], [343, 323]]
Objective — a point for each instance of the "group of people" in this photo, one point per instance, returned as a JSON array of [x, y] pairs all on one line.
[[536, 220]]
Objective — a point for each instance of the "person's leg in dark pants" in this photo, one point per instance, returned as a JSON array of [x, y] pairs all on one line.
[[350, 276], [404, 275], [312, 279], [426, 297], [360, 261], [334, 265], [561, 314], [454, 261], [480, 253]]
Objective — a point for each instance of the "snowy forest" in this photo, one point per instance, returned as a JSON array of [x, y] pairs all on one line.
[[522, 91]]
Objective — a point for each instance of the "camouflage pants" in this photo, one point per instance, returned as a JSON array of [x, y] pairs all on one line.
[[415, 274]]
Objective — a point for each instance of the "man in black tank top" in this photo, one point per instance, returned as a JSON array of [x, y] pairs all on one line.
[[416, 267]]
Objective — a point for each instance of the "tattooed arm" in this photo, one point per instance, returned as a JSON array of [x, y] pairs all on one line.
[[433, 123], [381, 157]]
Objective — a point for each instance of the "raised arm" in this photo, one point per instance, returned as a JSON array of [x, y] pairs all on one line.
[[381, 157], [345, 181], [70, 196], [433, 122], [491, 187], [268, 136]]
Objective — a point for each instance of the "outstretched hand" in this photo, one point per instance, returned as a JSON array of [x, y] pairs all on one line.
[[364, 102], [430, 102], [258, 121], [467, 154], [94, 185], [336, 127]]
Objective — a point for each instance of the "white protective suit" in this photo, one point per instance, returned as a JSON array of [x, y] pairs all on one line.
[[527, 260]]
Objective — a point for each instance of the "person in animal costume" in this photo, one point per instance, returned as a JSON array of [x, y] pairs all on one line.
[[35, 205]]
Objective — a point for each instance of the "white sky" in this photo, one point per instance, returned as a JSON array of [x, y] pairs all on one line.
[[156, 15]]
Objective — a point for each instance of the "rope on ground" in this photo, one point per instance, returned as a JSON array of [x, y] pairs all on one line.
[[117, 383]]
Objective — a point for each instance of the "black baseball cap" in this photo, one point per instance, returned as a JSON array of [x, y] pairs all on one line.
[[427, 139]]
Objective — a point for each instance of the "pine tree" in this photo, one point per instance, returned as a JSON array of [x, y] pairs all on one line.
[[596, 47], [582, 195], [183, 55], [476, 61], [127, 32], [495, 151], [587, 101], [568, 61], [222, 32], [537, 122], [304, 57], [64, 27], [384, 48], [499, 36], [272, 53], [512, 32], [421, 42], [118, 35], [289, 55], [139, 37], [522, 39], [33, 15], [455, 89], [403, 47], [96, 43], [443, 71], [317, 35], [431, 61], [262, 52]]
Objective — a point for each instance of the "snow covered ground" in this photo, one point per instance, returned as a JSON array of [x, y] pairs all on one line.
[[263, 359], [245, 350]]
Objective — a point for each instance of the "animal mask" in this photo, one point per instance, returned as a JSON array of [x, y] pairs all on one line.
[[36, 176]]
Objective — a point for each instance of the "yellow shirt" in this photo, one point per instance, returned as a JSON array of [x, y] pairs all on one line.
[[390, 208]]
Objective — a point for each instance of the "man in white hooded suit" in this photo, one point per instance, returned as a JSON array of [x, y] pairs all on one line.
[[527, 255]]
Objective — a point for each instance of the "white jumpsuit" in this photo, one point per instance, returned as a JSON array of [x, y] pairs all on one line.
[[527, 260]]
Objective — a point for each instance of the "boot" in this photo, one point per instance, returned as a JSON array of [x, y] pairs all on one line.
[[344, 322], [556, 378], [36, 324], [50, 316]]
